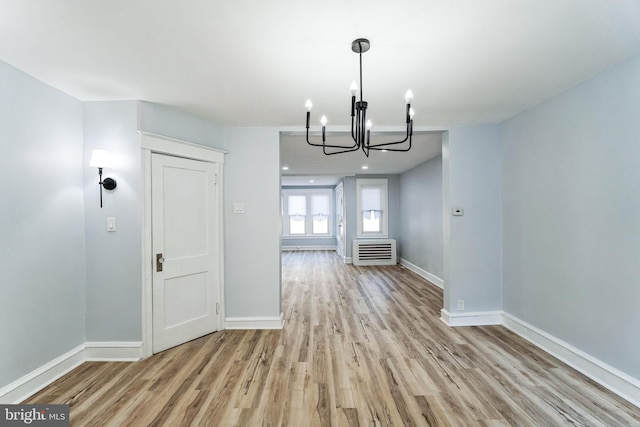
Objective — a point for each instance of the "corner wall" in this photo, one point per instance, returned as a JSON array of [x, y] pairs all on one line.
[[42, 252], [421, 224], [252, 239], [114, 259], [472, 242], [571, 210]]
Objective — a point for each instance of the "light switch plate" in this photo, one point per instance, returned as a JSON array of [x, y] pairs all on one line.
[[238, 208], [111, 223]]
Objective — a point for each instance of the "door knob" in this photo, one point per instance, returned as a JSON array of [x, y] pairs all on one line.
[[159, 262]]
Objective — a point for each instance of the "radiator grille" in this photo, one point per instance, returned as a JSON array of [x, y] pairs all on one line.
[[374, 252]]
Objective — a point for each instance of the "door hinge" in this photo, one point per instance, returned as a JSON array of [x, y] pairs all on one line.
[[215, 179], [217, 308]]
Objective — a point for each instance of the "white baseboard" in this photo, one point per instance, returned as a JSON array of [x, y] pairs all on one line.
[[347, 260], [276, 322], [41, 377], [113, 351], [609, 377], [423, 273], [308, 248], [478, 318]]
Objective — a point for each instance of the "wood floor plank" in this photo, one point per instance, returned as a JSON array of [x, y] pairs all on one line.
[[361, 346]]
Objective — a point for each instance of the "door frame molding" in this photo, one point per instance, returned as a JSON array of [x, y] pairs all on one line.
[[154, 143]]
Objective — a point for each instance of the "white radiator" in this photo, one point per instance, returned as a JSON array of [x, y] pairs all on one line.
[[374, 252]]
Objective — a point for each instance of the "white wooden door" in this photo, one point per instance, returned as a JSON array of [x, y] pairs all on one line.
[[185, 234], [340, 220]]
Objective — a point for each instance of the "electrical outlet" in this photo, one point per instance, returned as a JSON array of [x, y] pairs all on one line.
[[461, 304]]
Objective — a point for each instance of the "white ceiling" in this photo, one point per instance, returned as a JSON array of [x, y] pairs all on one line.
[[254, 62], [306, 163]]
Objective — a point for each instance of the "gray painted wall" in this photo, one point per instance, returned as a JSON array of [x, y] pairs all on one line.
[[550, 194], [42, 254], [421, 227], [252, 239], [114, 273], [166, 121], [114, 259], [473, 247], [571, 209], [350, 217]]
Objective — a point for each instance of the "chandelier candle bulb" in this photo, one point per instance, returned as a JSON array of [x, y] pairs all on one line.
[[408, 96]]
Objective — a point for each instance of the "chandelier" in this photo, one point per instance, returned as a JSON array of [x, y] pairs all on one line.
[[360, 126]]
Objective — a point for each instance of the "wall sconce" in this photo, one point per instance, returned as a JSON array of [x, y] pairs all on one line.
[[101, 159]]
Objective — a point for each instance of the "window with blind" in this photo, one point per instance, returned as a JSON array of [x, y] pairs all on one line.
[[307, 212], [372, 207]]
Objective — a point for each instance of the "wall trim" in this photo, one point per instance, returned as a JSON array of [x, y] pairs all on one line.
[[347, 260], [178, 147], [478, 318], [308, 248], [39, 378], [432, 278], [609, 377], [275, 322], [109, 351]]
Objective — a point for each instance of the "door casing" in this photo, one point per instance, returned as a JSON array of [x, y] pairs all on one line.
[[152, 143]]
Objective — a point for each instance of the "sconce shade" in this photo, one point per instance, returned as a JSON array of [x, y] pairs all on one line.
[[100, 159]]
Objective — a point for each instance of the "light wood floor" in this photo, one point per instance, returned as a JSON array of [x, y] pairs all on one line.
[[361, 346]]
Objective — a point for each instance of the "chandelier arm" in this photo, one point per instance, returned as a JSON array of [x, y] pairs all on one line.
[[409, 137], [324, 150], [324, 144], [385, 144], [353, 133], [363, 125], [365, 150]]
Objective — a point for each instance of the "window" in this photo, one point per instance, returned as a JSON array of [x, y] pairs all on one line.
[[320, 208], [297, 214], [372, 207], [307, 212]]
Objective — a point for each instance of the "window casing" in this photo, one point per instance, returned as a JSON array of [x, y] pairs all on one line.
[[307, 213], [372, 208]]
